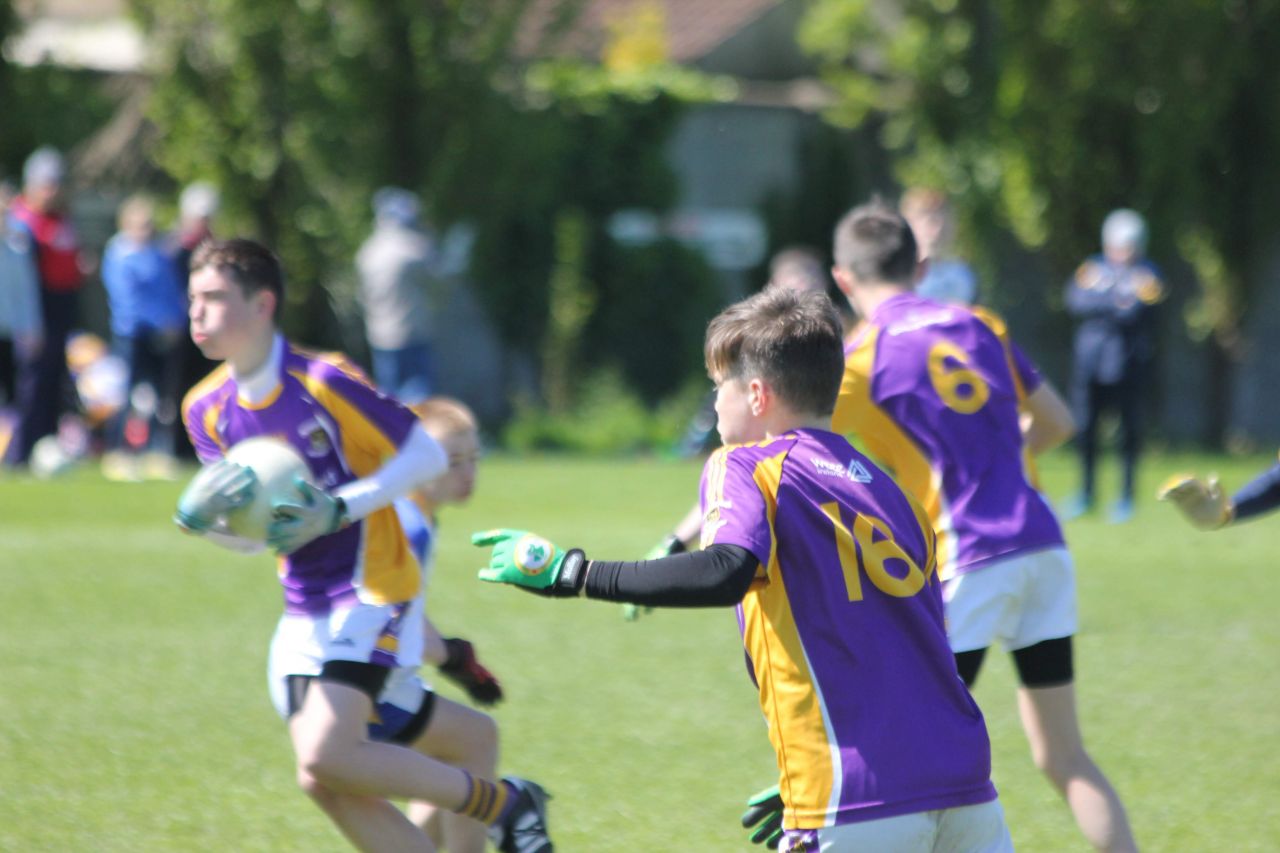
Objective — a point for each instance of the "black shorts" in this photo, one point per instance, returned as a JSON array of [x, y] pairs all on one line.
[[392, 723], [1045, 664]]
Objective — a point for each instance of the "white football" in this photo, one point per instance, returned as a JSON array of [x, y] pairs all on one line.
[[277, 467]]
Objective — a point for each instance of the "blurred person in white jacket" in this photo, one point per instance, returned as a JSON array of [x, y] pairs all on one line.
[[399, 295]]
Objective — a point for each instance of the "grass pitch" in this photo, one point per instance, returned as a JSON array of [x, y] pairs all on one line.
[[134, 716]]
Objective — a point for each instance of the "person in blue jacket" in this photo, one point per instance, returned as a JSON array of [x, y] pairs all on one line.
[[1113, 298]]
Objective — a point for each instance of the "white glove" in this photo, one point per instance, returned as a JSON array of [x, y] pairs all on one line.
[[317, 514], [1202, 503]]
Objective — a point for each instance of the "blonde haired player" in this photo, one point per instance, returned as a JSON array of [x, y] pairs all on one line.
[[449, 732]]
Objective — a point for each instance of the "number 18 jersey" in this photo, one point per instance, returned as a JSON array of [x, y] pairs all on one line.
[[844, 633], [933, 392]]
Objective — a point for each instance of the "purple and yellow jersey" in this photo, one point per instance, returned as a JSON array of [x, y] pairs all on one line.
[[933, 392], [345, 430], [843, 628]]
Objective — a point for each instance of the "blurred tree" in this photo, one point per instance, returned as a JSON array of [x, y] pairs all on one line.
[[1041, 117], [44, 104], [300, 109]]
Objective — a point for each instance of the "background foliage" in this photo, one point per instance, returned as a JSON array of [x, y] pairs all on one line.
[[1041, 117], [301, 110]]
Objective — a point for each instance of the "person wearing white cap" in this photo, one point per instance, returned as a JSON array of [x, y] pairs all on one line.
[[1113, 296], [40, 213], [399, 293]]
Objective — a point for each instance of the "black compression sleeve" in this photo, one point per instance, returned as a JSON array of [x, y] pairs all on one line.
[[1259, 495], [714, 577]]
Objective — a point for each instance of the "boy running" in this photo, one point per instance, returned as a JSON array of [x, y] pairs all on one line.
[[831, 566]]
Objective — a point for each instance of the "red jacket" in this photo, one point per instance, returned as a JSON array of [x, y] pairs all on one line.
[[57, 250]]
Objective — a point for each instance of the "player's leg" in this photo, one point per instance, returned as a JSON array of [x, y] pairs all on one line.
[[1089, 412], [1129, 404], [371, 824], [1057, 747], [330, 738], [465, 738], [1042, 654]]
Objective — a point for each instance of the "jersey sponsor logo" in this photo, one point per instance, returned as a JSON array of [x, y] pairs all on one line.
[[533, 554], [912, 322], [855, 470], [317, 437]]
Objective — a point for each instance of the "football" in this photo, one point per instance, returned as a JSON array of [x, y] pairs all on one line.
[[277, 466]]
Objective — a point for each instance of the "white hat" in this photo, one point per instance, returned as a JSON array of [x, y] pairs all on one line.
[[199, 201], [1125, 228], [396, 204], [45, 166]]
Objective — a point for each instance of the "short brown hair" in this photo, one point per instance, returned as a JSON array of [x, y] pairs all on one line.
[[446, 415], [874, 242], [922, 200], [249, 264], [791, 340]]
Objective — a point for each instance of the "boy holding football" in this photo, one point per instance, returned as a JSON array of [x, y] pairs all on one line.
[[351, 583], [831, 566], [942, 397]]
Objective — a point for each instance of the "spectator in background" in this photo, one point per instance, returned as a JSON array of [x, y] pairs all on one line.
[[801, 269], [1113, 297], [148, 315], [40, 213], [21, 329], [946, 278], [399, 295], [197, 206]]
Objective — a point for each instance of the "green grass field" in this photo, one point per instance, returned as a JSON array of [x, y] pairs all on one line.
[[134, 717]]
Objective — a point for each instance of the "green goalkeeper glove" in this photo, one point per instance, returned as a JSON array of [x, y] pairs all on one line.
[[764, 815], [670, 544], [295, 524], [526, 560], [213, 492], [1201, 502]]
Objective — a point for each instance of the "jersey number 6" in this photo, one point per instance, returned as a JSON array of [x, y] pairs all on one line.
[[960, 388]]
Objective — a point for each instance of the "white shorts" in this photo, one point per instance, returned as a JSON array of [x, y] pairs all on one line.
[[1021, 601], [964, 829], [389, 635]]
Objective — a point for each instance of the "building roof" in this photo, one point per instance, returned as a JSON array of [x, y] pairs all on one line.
[[693, 27], [93, 34]]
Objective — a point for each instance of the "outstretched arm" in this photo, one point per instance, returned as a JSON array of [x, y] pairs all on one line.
[[714, 577], [1260, 495]]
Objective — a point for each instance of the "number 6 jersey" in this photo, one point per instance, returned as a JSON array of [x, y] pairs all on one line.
[[844, 633], [933, 392]]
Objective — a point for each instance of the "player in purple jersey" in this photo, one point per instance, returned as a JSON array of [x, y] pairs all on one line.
[[831, 567], [941, 396], [350, 582]]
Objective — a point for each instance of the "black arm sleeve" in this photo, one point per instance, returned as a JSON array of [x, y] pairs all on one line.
[[714, 577], [1259, 495]]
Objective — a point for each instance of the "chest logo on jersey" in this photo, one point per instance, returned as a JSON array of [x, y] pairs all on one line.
[[315, 437], [920, 320], [855, 470]]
